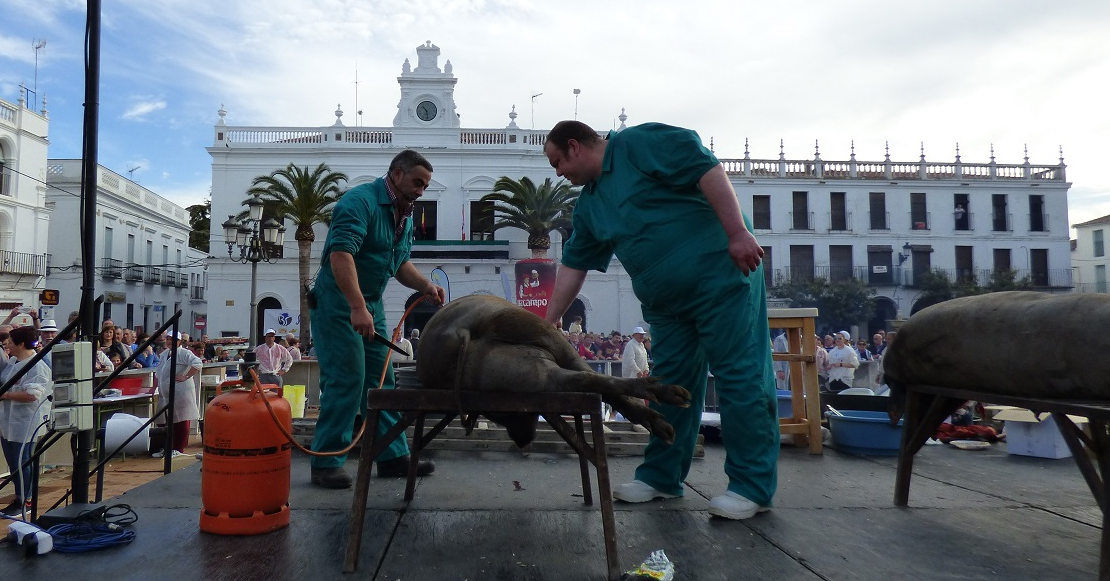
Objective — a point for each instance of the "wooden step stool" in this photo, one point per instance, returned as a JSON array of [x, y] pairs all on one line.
[[416, 403]]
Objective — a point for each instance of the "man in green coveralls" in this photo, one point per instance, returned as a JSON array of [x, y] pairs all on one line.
[[654, 196], [368, 243]]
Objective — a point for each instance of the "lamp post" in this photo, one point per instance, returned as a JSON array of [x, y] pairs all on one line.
[[253, 249]]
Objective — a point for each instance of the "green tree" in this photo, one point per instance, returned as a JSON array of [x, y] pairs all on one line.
[[200, 222], [306, 198], [537, 211], [839, 304]]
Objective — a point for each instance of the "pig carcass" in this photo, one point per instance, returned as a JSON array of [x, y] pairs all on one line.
[[1025, 344], [485, 343]]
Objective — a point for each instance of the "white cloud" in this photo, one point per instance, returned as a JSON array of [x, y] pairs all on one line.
[[141, 109]]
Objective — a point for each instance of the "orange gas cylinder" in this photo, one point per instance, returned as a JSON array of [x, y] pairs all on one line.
[[246, 465]]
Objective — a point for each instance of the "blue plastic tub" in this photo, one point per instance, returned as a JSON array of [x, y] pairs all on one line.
[[786, 408], [865, 432]]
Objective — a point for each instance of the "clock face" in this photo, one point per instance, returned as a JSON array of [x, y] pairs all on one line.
[[426, 110]]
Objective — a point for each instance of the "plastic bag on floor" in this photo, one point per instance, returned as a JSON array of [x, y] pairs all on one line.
[[657, 567]]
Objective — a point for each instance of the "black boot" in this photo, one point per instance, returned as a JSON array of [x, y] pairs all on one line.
[[399, 468], [331, 478]]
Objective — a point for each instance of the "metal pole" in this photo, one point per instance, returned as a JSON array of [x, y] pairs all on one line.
[[80, 480], [254, 305]]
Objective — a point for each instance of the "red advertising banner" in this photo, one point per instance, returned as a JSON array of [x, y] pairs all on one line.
[[535, 281]]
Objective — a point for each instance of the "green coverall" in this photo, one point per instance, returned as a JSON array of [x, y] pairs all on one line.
[[350, 364], [705, 314]]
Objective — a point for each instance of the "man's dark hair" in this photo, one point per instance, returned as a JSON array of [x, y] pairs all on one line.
[[564, 131], [25, 336], [407, 160]]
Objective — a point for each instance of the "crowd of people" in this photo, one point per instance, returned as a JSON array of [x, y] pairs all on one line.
[[611, 347], [837, 358]]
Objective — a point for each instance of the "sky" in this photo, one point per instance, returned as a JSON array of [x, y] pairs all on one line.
[[1014, 74]]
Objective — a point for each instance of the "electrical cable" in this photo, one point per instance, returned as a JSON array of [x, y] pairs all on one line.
[[95, 529]]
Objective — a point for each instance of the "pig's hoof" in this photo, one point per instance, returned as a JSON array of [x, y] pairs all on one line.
[[675, 395], [662, 430]]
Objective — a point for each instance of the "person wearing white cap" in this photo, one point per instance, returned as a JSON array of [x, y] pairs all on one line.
[[843, 362], [634, 362], [273, 360], [47, 331]]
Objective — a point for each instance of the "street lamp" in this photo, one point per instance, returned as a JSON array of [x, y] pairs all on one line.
[[253, 249]]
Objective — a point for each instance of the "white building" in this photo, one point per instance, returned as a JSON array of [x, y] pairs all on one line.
[[815, 218], [24, 217], [1089, 257], [145, 270]]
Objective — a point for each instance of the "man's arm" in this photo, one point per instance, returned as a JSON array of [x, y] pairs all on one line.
[[742, 245], [410, 277], [286, 361], [346, 278], [568, 283]]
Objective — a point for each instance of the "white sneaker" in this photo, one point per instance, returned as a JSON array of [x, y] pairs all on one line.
[[637, 491], [733, 506], [178, 454], [157, 454]]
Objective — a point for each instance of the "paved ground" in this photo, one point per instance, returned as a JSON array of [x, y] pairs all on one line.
[[973, 515]]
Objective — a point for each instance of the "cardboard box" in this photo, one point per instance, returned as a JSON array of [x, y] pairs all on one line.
[[1029, 434]]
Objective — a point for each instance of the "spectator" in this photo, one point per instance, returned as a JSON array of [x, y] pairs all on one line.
[[634, 361], [583, 351], [273, 360], [612, 348], [414, 338], [576, 325], [843, 362], [863, 352], [185, 398], [147, 358], [295, 350], [22, 409], [821, 358], [47, 332], [404, 344], [782, 368], [209, 348], [877, 345]]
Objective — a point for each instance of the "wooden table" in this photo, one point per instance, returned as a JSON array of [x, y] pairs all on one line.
[[805, 395]]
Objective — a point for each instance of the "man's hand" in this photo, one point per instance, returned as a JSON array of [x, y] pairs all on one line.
[[362, 321], [745, 251], [435, 293]]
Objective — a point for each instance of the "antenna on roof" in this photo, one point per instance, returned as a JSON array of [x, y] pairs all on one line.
[[131, 172], [37, 45], [534, 109]]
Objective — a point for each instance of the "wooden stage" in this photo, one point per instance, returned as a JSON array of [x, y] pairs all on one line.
[[974, 515]]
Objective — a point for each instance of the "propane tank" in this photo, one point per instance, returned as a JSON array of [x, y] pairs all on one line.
[[245, 469]]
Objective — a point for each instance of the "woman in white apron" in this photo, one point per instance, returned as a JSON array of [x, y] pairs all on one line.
[[185, 397]]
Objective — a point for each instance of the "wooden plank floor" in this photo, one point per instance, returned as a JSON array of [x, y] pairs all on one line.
[[484, 515]]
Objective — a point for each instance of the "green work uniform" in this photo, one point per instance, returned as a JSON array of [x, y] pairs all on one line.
[[705, 313], [362, 224]]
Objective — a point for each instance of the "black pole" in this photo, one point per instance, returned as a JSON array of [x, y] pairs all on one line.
[[88, 222]]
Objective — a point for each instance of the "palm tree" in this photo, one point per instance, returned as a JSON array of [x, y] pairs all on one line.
[[306, 199], [537, 211]]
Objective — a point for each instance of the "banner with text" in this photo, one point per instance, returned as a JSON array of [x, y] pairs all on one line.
[[535, 281], [282, 321]]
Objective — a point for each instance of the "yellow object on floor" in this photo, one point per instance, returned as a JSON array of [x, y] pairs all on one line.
[[294, 394]]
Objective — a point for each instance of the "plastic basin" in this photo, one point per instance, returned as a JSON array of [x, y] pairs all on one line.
[[865, 432]]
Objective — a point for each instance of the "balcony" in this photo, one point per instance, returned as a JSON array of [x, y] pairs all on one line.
[[803, 274], [840, 221], [23, 263], [461, 249], [801, 221], [1002, 279], [920, 221], [133, 273], [182, 280], [197, 293], [111, 268], [153, 275], [169, 278]]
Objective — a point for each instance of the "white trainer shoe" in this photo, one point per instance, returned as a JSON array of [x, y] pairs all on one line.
[[733, 506], [637, 491]]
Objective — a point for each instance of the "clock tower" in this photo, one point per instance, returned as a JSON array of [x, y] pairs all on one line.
[[427, 93]]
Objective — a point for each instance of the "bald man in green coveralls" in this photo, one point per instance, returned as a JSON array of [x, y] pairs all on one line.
[[369, 241], [654, 196]]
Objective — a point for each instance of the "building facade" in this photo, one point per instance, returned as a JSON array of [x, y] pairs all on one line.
[[24, 216], [883, 222], [1089, 258], [145, 270]]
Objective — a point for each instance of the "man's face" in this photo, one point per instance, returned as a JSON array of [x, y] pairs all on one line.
[[204, 338], [877, 339], [638, 336], [409, 186], [270, 339], [119, 334], [572, 164], [48, 336]]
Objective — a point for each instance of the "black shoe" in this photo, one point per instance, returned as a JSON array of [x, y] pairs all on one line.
[[331, 478], [14, 511], [399, 468]]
